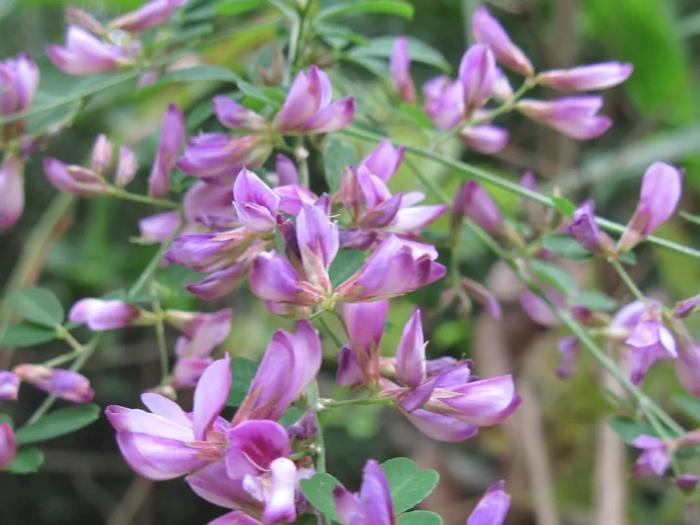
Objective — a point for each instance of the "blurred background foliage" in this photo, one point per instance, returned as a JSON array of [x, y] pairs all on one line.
[[554, 452]]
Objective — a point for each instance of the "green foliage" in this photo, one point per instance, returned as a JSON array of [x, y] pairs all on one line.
[[338, 154], [566, 246], [363, 7], [419, 51], [236, 7], [628, 429], [28, 461], [242, 374], [319, 491], [409, 483], [26, 334], [419, 517], [58, 423], [346, 263], [37, 305], [554, 276], [595, 300]]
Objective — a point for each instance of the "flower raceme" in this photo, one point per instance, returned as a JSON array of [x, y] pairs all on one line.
[[243, 464]]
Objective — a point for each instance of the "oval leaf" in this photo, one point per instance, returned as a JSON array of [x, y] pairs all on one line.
[[319, 491], [38, 305], [28, 460], [242, 374], [337, 155], [361, 7], [409, 484], [58, 423], [420, 517], [26, 334]]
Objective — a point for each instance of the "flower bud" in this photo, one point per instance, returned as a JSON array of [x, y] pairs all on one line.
[[102, 315], [474, 201], [126, 168], [74, 179], [399, 66], [8, 445], [232, 115], [84, 54], [586, 78], [149, 15], [477, 72], [9, 385], [488, 31], [502, 90], [575, 117], [585, 230], [659, 196], [485, 138], [686, 307], [687, 482], [101, 154], [65, 384], [11, 190]]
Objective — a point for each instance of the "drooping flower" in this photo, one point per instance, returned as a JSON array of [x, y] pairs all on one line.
[[309, 109], [655, 457], [19, 80], [8, 445], [686, 307], [234, 116], [85, 54], [149, 15], [488, 31], [575, 117], [585, 230], [9, 385], [65, 384], [211, 155], [659, 196], [126, 167], [101, 314], [492, 507], [645, 337], [159, 227], [586, 78], [171, 141], [473, 201], [167, 442], [400, 67], [372, 505]]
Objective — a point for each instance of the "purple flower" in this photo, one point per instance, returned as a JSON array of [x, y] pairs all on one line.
[[74, 179], [474, 201], [444, 102], [492, 507], [221, 282], [537, 308], [584, 229], [255, 203], [575, 117], [384, 160], [399, 67], [160, 227], [646, 338], [568, 357], [488, 31], [11, 190], [586, 78], [286, 171], [171, 140], [8, 445], [688, 365], [19, 80], [359, 362], [290, 364], [101, 154], [477, 72], [65, 384], [655, 458], [149, 15], [485, 138], [210, 155], [126, 167], [659, 196], [232, 115], [210, 204], [168, 443], [308, 107], [9, 385], [372, 505], [235, 517], [84, 54], [102, 315], [396, 267], [484, 296], [502, 90], [208, 252], [686, 307]]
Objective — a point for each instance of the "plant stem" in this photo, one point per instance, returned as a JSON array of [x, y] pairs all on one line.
[[627, 279], [160, 338], [338, 403], [512, 187], [312, 395], [327, 330], [143, 199]]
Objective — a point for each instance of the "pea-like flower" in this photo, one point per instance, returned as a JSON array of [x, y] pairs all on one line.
[[372, 505], [400, 68], [66, 384], [85, 54], [575, 117], [488, 31], [586, 78], [492, 507], [149, 15], [99, 314]]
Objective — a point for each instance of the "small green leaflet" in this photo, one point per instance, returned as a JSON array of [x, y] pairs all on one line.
[[689, 405], [236, 7], [628, 429], [361, 7], [37, 305], [242, 374], [419, 517], [337, 155], [564, 205], [26, 334], [200, 73], [28, 460], [595, 300], [419, 51], [346, 263], [319, 491], [409, 483], [554, 276], [58, 423], [566, 246]]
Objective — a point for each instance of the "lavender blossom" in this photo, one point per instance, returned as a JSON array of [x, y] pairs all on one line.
[[8, 445], [575, 117], [102, 315], [399, 66], [11, 190], [74, 179], [488, 31], [372, 505], [65, 384], [126, 167], [149, 15], [586, 78], [485, 138], [477, 72], [84, 54], [474, 202], [171, 140], [492, 507], [9, 386]]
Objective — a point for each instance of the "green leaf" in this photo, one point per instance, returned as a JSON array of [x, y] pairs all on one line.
[[420, 517], [419, 51], [242, 374], [566, 246], [346, 263], [689, 405], [409, 484], [26, 334], [200, 73], [628, 429], [564, 206], [595, 300], [28, 460], [554, 276], [58, 423], [361, 7], [38, 305], [337, 155], [319, 491], [236, 7], [416, 114]]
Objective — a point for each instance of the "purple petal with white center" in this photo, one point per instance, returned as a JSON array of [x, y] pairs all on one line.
[[279, 504], [253, 446]]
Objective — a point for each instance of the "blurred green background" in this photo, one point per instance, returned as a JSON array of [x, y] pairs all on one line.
[[557, 460]]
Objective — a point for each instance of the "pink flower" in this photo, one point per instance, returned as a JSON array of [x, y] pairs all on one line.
[[65, 384], [74, 179], [19, 80], [11, 190], [84, 54], [171, 140], [485, 138], [488, 31], [586, 78], [493, 506], [477, 72], [8, 445], [149, 15], [9, 385], [575, 117], [102, 315], [399, 66]]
